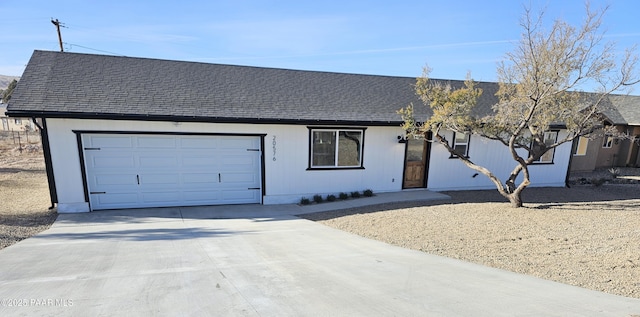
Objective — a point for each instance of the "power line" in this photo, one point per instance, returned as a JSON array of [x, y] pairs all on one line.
[[59, 24], [71, 45]]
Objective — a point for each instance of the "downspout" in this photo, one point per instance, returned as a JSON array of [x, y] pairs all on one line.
[[44, 137]]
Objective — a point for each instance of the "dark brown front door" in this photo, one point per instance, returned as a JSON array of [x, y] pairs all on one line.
[[416, 163]]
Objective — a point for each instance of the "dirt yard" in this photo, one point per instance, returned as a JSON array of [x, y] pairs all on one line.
[[24, 194], [586, 236]]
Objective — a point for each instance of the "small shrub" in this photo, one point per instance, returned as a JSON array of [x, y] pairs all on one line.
[[304, 201], [331, 198], [317, 198], [614, 171], [343, 196], [368, 193], [355, 194], [598, 181]]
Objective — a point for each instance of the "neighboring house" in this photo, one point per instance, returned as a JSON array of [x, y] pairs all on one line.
[[623, 112], [121, 132], [14, 124]]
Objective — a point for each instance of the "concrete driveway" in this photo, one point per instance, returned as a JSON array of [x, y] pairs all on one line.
[[264, 262]]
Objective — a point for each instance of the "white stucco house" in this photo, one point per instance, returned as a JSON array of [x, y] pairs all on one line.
[[122, 132]]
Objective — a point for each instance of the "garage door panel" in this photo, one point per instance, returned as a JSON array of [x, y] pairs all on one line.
[[161, 160], [232, 142], [201, 197], [198, 143], [239, 196], [131, 171], [200, 179], [113, 200], [160, 197], [156, 142], [248, 179], [106, 142], [147, 180], [114, 179], [198, 162], [238, 161], [112, 161]]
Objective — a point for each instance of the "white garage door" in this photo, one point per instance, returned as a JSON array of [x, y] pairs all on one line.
[[133, 171]]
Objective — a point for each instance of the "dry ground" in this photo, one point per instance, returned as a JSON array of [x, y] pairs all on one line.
[[585, 235], [24, 194]]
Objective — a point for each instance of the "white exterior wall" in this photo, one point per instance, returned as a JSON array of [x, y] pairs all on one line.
[[451, 174], [286, 177]]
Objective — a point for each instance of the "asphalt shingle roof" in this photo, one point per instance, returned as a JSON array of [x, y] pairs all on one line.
[[628, 107], [71, 84], [57, 84]]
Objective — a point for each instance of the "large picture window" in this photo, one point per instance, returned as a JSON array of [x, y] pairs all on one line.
[[335, 148]]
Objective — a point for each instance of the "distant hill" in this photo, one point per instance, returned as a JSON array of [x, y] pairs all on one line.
[[6, 80]]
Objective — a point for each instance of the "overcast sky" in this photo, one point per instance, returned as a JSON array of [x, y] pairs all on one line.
[[368, 37]]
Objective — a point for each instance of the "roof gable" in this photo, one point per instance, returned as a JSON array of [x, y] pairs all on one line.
[[628, 107]]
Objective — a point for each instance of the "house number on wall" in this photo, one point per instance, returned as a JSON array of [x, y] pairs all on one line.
[[274, 148]]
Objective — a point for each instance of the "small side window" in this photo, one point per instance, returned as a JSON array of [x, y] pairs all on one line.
[[550, 137], [607, 141], [581, 148], [460, 144]]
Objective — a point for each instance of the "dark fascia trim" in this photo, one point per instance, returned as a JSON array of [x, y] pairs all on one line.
[[142, 117], [83, 167], [163, 133], [263, 175], [48, 161]]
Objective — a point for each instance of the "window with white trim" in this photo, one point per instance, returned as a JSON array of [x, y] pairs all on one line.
[[550, 137], [335, 148], [607, 142], [581, 148], [460, 144]]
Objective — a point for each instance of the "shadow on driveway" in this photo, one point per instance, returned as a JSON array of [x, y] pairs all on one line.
[[156, 234]]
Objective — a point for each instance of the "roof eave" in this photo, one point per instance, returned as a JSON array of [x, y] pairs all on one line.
[[169, 118]]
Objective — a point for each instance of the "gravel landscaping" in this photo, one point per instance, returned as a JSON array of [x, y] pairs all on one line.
[[585, 235], [24, 194]]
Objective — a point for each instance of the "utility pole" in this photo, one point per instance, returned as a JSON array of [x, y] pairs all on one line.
[[57, 24]]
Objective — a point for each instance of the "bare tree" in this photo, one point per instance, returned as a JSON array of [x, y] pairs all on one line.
[[541, 85], [6, 94]]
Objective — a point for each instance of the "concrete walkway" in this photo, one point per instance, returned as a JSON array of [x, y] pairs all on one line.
[[261, 261]]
